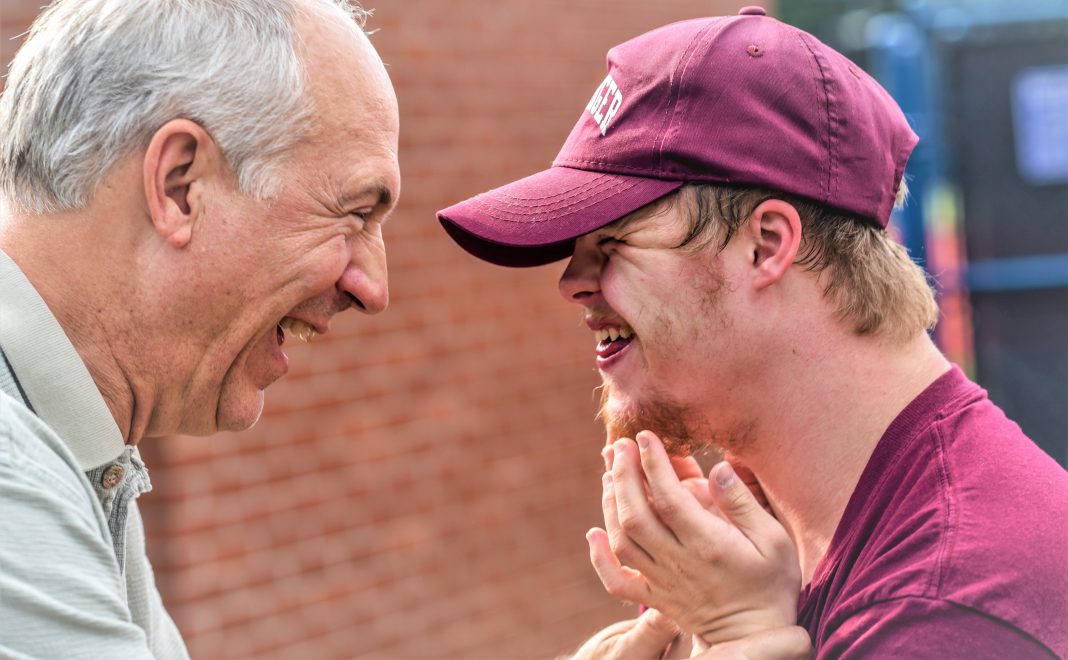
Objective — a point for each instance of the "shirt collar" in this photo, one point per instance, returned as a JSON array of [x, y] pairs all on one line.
[[51, 372]]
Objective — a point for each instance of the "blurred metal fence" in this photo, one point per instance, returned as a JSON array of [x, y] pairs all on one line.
[[985, 85]]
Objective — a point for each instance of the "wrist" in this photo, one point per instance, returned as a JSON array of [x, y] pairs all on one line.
[[733, 628]]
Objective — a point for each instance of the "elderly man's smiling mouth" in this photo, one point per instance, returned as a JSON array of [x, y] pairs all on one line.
[[303, 330]]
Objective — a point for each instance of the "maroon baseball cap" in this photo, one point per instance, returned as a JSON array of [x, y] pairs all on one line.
[[738, 100]]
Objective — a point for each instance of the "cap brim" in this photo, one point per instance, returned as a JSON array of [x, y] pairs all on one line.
[[535, 220]]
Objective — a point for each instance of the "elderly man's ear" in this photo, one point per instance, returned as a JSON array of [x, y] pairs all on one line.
[[773, 231], [180, 159]]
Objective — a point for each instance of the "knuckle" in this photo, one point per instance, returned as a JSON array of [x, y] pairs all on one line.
[[628, 554], [800, 635], [607, 498], [630, 523], [740, 499], [615, 588], [667, 507], [620, 546], [800, 644]]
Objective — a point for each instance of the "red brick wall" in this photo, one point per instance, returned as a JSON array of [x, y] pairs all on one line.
[[420, 484]]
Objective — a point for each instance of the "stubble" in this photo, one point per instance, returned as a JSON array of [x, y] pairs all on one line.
[[683, 429]]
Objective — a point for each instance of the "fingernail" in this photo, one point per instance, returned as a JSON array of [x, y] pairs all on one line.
[[643, 441], [724, 474]]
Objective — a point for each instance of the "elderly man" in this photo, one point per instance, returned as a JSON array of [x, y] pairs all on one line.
[[723, 201], [182, 182]]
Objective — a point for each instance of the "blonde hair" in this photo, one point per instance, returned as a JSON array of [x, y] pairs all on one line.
[[869, 277]]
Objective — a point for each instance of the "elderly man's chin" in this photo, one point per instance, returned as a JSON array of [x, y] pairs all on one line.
[[241, 413], [241, 399]]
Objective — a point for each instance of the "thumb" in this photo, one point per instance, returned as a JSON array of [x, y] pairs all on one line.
[[749, 479], [650, 636], [734, 498]]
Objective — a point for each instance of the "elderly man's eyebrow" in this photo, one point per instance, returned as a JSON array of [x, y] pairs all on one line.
[[379, 188]]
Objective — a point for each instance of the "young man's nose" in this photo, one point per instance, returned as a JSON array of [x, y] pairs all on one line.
[[580, 282]]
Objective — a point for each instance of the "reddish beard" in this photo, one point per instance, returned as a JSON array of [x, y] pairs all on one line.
[[662, 415], [677, 426]]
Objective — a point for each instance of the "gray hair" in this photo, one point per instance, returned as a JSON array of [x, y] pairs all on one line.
[[96, 79]]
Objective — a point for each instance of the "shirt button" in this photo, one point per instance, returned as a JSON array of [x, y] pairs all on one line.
[[112, 476]]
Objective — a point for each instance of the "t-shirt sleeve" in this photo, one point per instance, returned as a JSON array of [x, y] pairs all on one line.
[[914, 627], [61, 594]]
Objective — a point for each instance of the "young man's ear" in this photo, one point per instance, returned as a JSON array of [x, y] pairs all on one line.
[[774, 230], [180, 157]]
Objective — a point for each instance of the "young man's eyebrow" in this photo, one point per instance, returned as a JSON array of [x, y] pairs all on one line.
[[636, 217]]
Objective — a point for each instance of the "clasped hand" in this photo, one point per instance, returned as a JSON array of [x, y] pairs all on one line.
[[703, 552]]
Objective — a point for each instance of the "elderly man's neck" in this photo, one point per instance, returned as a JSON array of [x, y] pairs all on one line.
[[76, 261], [825, 413]]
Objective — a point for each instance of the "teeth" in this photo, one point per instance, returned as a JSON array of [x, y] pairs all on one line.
[[612, 334], [298, 328]]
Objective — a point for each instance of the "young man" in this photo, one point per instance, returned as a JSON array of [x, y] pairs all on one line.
[[179, 182], [723, 201]]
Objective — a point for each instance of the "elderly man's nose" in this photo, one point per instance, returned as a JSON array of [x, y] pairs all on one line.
[[366, 287]]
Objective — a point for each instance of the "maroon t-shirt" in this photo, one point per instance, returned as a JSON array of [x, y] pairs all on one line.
[[953, 545]]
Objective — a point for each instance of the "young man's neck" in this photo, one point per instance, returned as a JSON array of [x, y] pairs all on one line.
[[828, 416]]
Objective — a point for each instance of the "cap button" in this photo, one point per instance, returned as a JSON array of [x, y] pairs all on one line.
[[752, 11]]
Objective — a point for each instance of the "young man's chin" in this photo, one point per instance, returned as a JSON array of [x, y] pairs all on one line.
[[624, 418]]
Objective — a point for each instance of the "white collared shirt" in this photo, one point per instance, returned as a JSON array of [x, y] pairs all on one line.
[[74, 578]]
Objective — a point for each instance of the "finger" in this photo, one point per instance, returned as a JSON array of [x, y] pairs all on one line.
[[699, 489], [636, 516], [673, 503], [687, 467], [692, 476], [681, 647], [606, 454], [737, 503], [624, 547], [648, 639], [789, 643], [619, 580], [749, 479], [606, 644]]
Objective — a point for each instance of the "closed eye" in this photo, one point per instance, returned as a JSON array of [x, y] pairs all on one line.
[[360, 217]]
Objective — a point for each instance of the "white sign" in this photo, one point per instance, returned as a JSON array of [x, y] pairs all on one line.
[[1040, 115]]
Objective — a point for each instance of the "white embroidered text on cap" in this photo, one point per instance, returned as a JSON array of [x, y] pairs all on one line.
[[607, 90]]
